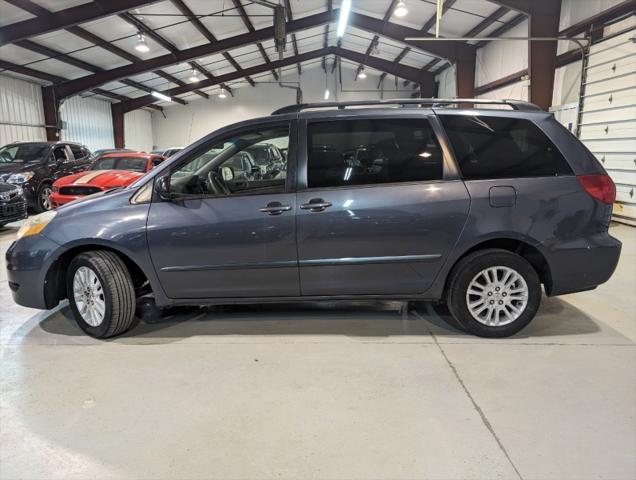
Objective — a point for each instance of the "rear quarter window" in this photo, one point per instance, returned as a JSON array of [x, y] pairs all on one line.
[[488, 147]]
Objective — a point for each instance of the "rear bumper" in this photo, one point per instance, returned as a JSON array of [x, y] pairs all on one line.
[[28, 261], [581, 264]]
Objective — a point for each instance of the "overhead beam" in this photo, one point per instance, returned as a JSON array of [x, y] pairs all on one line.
[[487, 22], [84, 34], [403, 71], [523, 6], [290, 18], [431, 21], [250, 28], [69, 17], [13, 67], [88, 82], [624, 8], [376, 38], [203, 30], [394, 31], [63, 57], [499, 31]]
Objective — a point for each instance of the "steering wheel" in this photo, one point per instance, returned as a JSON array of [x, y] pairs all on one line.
[[217, 184]]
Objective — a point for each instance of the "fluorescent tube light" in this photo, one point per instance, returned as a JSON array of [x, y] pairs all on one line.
[[161, 96], [343, 19], [327, 94]]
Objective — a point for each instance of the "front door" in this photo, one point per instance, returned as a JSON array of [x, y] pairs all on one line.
[[227, 232], [378, 208]]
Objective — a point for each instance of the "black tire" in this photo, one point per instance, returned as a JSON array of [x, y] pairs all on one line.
[[40, 205], [464, 272], [118, 293]]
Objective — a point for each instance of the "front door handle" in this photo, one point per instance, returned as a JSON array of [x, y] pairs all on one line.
[[275, 208]]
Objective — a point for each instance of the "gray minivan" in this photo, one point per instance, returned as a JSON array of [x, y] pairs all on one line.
[[399, 199]]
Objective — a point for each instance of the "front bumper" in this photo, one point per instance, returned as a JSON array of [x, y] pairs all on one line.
[[58, 199], [13, 210], [28, 261], [581, 264]]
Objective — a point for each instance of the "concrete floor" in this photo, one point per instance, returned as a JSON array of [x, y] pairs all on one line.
[[340, 391]]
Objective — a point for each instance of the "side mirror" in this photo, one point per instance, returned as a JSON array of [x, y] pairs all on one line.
[[227, 173], [162, 187]]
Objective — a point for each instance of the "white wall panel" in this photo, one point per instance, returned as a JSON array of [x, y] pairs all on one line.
[[608, 126], [501, 58], [447, 83], [87, 121], [185, 124], [138, 130], [21, 111], [517, 91], [575, 11], [567, 84]]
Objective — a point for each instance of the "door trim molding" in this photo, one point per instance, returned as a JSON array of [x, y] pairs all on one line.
[[368, 260], [320, 262]]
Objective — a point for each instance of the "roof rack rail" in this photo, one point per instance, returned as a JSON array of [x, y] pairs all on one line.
[[519, 105]]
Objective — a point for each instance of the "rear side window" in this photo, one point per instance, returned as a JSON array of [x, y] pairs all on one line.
[[364, 152], [499, 147]]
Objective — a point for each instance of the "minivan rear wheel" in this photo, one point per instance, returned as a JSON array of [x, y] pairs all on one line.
[[494, 293], [101, 293]]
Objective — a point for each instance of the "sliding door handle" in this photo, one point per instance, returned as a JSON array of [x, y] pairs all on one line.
[[316, 205]]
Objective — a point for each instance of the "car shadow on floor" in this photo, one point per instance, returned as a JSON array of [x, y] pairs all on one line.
[[350, 319]]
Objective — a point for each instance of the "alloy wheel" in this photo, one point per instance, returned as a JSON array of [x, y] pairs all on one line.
[[497, 296], [89, 296]]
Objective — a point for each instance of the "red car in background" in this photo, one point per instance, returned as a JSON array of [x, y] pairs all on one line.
[[109, 171]]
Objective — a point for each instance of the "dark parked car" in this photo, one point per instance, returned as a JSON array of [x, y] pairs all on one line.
[[473, 207], [34, 166], [12, 204]]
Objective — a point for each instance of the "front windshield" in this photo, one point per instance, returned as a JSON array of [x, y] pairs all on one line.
[[260, 154], [134, 164], [26, 152]]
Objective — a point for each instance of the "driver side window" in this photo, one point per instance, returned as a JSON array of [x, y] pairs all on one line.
[[242, 164], [59, 153]]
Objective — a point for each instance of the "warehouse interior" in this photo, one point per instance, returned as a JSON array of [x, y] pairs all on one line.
[[330, 389]]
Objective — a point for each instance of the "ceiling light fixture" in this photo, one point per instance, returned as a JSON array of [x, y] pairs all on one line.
[[362, 74], [343, 19], [327, 94], [222, 93], [141, 46], [400, 9], [161, 96], [194, 78]]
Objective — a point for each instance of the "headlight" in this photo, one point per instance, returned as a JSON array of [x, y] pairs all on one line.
[[21, 177], [35, 224]]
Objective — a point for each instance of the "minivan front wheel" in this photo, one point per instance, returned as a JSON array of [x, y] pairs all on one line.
[[43, 201], [101, 293], [494, 293]]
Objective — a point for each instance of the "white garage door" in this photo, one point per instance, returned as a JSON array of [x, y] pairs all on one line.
[[608, 119]]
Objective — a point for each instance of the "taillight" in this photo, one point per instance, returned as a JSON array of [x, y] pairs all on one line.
[[600, 187]]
